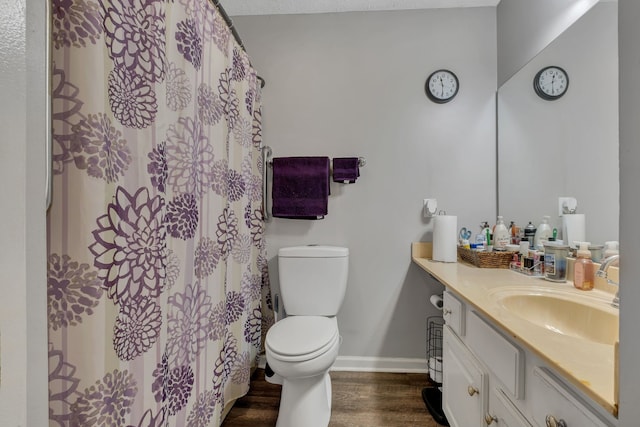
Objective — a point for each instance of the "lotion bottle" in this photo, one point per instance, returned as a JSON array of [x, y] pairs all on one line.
[[543, 232], [501, 235], [583, 269]]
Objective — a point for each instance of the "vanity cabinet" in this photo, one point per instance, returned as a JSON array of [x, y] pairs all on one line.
[[489, 380]]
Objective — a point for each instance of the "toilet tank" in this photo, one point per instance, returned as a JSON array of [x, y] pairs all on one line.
[[313, 279]]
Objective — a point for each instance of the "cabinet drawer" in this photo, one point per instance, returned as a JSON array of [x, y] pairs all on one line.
[[504, 359], [503, 413], [453, 313], [553, 399]]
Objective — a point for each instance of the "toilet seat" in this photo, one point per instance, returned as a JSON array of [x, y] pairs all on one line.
[[300, 338]]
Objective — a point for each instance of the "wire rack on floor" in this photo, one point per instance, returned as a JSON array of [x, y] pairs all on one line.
[[432, 395], [434, 349]]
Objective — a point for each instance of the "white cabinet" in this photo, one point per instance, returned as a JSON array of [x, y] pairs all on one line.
[[553, 405], [489, 380], [503, 358], [464, 385], [502, 412], [453, 312]]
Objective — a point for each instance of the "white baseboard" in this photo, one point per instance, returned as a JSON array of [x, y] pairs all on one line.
[[372, 364], [379, 364]]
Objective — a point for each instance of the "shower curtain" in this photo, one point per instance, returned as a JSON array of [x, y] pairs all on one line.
[[158, 294]]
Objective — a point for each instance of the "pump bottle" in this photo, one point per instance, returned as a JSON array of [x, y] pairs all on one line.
[[543, 232], [583, 269]]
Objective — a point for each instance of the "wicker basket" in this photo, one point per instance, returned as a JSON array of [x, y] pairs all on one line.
[[485, 259]]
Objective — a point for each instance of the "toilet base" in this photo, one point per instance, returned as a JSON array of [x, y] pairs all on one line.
[[305, 402], [272, 377]]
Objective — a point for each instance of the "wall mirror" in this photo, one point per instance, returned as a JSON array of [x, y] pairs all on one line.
[[567, 146]]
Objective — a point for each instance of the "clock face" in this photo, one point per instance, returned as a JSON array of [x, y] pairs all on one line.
[[442, 86], [551, 83]]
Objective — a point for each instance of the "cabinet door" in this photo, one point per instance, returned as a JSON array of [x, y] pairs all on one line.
[[553, 404], [504, 359], [503, 413], [464, 384]]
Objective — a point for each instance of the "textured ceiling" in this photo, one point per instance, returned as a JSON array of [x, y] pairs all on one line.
[[274, 7]]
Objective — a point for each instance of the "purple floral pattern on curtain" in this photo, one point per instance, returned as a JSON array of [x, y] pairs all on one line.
[[132, 99], [75, 23], [158, 289], [135, 36]]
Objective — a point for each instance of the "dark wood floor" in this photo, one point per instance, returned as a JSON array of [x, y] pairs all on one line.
[[359, 399]]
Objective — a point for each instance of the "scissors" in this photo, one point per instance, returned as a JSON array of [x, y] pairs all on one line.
[[464, 234]]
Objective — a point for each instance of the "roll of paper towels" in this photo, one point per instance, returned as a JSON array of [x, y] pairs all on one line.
[[573, 229], [445, 238], [437, 301]]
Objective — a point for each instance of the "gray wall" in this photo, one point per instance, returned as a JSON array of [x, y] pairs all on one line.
[[23, 307], [629, 38], [352, 84], [525, 27]]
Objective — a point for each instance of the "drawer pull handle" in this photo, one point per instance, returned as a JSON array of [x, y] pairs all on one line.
[[552, 422], [472, 390], [446, 311], [489, 419]]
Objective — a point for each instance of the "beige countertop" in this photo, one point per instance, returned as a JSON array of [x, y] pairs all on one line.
[[589, 366]]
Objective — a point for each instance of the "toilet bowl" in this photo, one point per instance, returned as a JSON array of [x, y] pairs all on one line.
[[301, 350]]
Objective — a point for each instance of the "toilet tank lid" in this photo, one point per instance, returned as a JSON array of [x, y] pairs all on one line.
[[313, 251]]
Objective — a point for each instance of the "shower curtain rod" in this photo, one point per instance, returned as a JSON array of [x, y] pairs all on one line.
[[233, 31]]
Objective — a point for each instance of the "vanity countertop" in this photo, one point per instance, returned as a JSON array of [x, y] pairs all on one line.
[[588, 365]]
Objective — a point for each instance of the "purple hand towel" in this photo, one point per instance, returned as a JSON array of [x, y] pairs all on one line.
[[346, 169], [300, 187]]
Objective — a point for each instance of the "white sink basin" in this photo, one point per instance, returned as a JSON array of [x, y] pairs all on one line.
[[570, 314]]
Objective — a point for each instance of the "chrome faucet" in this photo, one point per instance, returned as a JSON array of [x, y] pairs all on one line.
[[602, 272]]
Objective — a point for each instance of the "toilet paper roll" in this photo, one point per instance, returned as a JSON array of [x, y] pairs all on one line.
[[435, 369], [445, 236], [437, 301], [573, 229]]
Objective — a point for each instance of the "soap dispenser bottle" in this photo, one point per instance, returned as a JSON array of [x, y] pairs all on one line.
[[583, 269], [543, 232], [501, 235]]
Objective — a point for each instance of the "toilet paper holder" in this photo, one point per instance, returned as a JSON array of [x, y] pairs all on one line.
[[567, 205], [429, 208], [437, 301]]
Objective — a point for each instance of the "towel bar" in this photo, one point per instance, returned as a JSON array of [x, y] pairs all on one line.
[[361, 160]]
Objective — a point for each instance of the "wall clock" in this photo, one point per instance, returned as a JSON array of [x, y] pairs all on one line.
[[442, 86], [551, 83]]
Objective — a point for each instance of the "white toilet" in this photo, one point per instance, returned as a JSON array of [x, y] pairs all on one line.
[[303, 346]]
